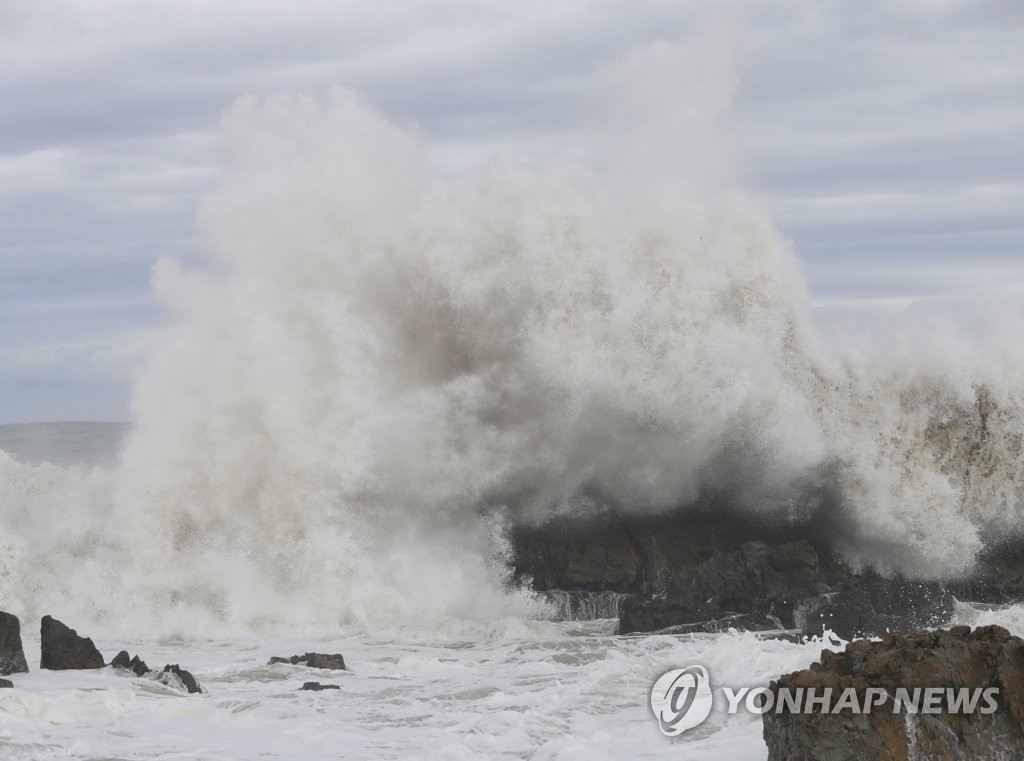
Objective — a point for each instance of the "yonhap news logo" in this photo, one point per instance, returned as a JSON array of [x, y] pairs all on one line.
[[682, 699]]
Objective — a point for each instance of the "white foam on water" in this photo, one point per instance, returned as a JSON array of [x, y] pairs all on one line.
[[564, 692]]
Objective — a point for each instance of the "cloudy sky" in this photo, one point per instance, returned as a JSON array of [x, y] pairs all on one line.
[[886, 136]]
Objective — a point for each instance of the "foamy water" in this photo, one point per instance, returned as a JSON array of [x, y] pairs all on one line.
[[539, 691], [565, 691]]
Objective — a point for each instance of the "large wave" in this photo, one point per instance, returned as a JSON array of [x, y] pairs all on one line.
[[384, 363]]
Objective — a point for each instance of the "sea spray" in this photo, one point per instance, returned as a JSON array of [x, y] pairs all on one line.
[[383, 364]]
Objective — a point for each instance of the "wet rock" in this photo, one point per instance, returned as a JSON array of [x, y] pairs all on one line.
[[314, 660], [577, 605], [746, 622], [986, 658], [134, 664], [871, 606], [61, 648], [318, 686], [177, 677], [596, 553], [759, 585], [12, 654], [4, 683]]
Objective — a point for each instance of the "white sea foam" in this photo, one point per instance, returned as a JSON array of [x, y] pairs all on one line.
[[383, 364]]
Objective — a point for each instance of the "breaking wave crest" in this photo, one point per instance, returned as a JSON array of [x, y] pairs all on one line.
[[384, 364]]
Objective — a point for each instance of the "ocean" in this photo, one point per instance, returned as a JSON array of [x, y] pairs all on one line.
[[382, 366], [508, 687]]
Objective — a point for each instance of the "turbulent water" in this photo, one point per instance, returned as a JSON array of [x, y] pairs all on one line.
[[384, 364]]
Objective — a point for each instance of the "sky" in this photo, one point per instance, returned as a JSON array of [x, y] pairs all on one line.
[[887, 138]]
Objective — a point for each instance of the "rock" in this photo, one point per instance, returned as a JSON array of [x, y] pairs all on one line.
[[12, 654], [871, 606], [135, 664], [61, 648], [594, 554], [758, 584], [988, 657], [175, 676], [318, 686], [711, 561], [314, 660], [4, 683]]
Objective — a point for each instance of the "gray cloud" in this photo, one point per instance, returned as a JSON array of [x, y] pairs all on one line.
[[887, 136]]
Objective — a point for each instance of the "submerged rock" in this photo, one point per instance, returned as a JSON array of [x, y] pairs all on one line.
[[61, 648], [318, 686], [134, 664], [314, 660], [175, 676], [4, 683], [988, 658], [12, 654]]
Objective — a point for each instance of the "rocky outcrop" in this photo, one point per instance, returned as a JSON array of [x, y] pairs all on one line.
[[171, 675], [314, 661], [948, 665], [177, 677], [317, 686], [4, 683], [12, 654], [61, 648], [869, 606], [758, 586], [134, 664], [706, 567]]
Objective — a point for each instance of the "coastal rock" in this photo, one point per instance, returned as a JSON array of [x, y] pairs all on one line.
[[61, 648], [598, 553], [871, 606], [134, 664], [710, 562], [175, 676], [12, 654], [4, 683], [316, 686], [758, 586], [314, 660], [988, 657]]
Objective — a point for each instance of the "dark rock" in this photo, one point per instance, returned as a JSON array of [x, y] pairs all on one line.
[[643, 553], [746, 622], [757, 584], [647, 615], [4, 683], [318, 686], [12, 654], [595, 554], [988, 657], [61, 648], [134, 664], [313, 660], [693, 566], [175, 676], [871, 606]]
